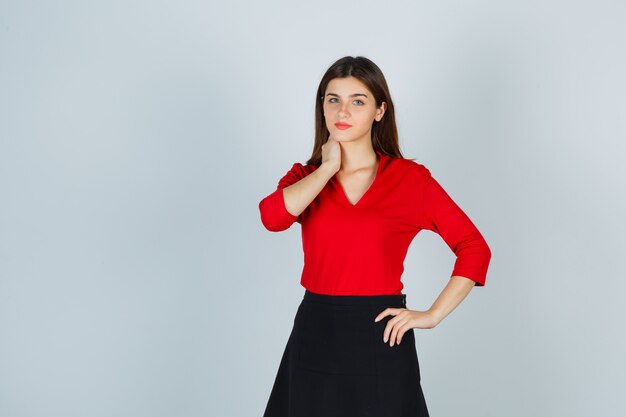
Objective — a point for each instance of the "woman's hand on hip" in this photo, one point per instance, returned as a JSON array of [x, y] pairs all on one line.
[[404, 320]]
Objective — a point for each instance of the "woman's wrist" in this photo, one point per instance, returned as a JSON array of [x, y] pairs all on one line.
[[327, 170]]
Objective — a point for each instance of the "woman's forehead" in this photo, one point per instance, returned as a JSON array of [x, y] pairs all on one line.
[[349, 87]]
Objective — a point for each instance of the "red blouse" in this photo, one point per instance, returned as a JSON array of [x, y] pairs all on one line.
[[360, 249]]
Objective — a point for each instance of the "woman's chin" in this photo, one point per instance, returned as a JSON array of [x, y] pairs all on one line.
[[342, 136]]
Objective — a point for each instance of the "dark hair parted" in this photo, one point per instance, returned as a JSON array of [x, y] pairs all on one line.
[[385, 132]]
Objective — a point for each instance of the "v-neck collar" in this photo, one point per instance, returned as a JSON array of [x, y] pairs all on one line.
[[341, 190]]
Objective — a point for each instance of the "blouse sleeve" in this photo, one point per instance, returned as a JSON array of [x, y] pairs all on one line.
[[443, 216], [274, 214]]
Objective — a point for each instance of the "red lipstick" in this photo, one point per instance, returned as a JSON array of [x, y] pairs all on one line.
[[342, 126]]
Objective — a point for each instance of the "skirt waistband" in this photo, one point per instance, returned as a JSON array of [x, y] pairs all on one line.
[[391, 299]]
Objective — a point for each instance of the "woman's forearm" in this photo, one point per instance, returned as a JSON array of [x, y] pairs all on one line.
[[299, 195], [451, 296]]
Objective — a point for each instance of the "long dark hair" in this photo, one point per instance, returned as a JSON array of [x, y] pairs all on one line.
[[385, 132]]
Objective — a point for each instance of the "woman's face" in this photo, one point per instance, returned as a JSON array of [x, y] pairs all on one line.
[[348, 101]]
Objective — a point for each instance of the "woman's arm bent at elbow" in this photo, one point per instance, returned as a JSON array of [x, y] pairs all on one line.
[[299, 195], [294, 193]]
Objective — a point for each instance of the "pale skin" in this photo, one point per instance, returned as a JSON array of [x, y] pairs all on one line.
[[349, 154]]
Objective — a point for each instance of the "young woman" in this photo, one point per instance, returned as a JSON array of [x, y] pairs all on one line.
[[351, 352]]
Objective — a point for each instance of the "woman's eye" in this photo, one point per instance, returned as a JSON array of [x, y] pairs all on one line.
[[330, 100]]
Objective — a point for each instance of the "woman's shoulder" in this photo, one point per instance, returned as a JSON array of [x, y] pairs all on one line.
[[297, 171], [300, 168], [410, 168]]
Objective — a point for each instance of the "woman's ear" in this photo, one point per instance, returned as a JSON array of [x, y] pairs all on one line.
[[381, 111]]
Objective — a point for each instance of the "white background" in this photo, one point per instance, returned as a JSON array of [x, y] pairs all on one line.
[[137, 138]]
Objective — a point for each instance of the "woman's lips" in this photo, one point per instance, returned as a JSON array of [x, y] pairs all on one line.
[[342, 126]]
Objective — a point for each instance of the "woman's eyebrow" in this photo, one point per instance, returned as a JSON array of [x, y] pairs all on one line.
[[351, 95]]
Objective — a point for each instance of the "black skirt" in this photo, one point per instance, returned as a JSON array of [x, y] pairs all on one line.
[[336, 363]]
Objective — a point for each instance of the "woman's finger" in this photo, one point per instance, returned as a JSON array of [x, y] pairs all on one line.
[[390, 323], [397, 327]]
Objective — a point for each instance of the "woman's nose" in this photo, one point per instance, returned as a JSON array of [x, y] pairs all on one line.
[[343, 111]]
